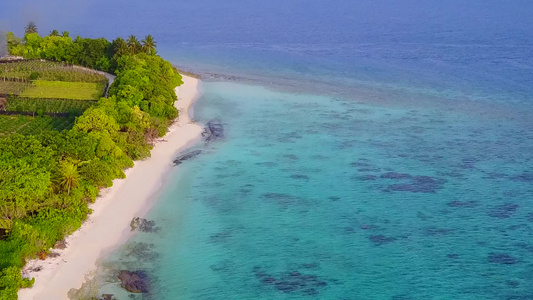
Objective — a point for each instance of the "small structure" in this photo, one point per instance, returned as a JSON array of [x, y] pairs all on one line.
[[3, 104]]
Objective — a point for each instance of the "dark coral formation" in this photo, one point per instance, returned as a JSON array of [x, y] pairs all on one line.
[[293, 281], [214, 130], [524, 177], [502, 258], [144, 225], [395, 175], [135, 282], [380, 240], [503, 211], [187, 156], [418, 184]]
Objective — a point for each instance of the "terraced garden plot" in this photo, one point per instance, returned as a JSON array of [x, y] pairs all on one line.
[[43, 105], [11, 87], [48, 70], [64, 90], [27, 125]]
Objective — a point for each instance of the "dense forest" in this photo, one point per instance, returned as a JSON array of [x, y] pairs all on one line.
[[48, 180]]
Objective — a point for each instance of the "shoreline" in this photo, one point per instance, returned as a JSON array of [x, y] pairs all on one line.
[[108, 226]]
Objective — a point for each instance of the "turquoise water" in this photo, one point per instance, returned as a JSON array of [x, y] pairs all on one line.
[[317, 197], [373, 149]]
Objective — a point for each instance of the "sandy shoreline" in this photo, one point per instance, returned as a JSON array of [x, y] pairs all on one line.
[[108, 225]]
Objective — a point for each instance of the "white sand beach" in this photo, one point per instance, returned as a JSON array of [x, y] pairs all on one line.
[[109, 224]]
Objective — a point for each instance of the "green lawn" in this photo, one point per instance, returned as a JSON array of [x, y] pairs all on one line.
[[64, 90]]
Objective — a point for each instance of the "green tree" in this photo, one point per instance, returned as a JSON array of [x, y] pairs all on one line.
[[54, 33], [96, 119], [134, 46], [149, 45], [31, 28], [66, 176], [120, 47], [65, 34]]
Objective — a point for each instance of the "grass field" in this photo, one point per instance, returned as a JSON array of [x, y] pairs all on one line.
[[27, 125], [64, 90]]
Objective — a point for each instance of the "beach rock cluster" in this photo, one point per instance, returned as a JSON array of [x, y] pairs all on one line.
[[143, 225], [214, 130], [292, 282], [134, 282], [186, 156]]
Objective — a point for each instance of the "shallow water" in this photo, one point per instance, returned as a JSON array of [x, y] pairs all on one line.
[[309, 196]]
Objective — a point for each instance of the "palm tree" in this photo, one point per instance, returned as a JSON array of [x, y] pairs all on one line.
[[120, 46], [65, 34], [133, 45], [149, 45], [54, 33], [66, 176], [31, 28]]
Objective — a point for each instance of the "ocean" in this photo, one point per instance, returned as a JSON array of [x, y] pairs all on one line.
[[371, 149]]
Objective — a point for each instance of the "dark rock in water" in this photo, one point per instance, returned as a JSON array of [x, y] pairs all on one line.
[[503, 211], [467, 204], [189, 155], [394, 175], [369, 170], [311, 292], [501, 258], [524, 177], [513, 283], [214, 130], [135, 282], [269, 280], [287, 286], [143, 225], [108, 297], [379, 240]]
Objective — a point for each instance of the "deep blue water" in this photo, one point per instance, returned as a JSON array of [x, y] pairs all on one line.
[[373, 149]]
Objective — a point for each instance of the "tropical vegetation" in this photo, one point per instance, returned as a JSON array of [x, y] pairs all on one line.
[[48, 178]]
